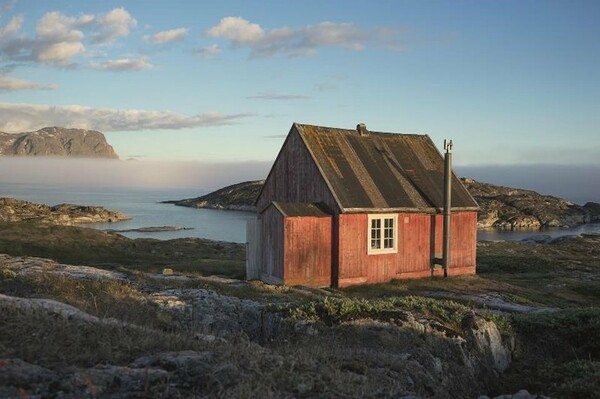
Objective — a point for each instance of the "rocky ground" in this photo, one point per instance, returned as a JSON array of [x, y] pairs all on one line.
[[408, 355], [14, 210], [501, 207], [131, 327]]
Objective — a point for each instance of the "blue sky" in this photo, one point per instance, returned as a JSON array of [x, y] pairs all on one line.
[[511, 82]]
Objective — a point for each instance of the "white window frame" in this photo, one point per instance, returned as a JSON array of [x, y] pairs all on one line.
[[382, 232]]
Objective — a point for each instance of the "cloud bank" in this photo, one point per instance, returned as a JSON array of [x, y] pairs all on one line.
[[304, 41], [115, 173], [15, 118], [13, 84]]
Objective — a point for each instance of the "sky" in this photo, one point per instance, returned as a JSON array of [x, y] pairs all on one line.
[[221, 82]]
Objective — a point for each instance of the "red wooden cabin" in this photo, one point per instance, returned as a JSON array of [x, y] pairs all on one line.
[[342, 207]]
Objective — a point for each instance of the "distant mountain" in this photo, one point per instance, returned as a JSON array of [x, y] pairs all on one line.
[[57, 141], [501, 207]]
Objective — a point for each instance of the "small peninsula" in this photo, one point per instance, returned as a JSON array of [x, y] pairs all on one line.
[[57, 141]]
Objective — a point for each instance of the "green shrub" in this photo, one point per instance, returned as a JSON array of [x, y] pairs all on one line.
[[334, 310]]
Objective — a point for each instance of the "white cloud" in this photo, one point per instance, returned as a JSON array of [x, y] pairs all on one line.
[[59, 38], [58, 53], [13, 26], [113, 25], [167, 36], [304, 41], [16, 118], [13, 84], [238, 30], [57, 27], [123, 64], [210, 51]]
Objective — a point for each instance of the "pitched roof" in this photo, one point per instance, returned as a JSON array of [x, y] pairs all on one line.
[[291, 209], [382, 170]]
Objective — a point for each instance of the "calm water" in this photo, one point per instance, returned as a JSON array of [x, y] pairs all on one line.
[[143, 206], [517, 235]]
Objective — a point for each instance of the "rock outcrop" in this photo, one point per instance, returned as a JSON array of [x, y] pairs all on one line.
[[57, 141], [515, 208], [14, 210]]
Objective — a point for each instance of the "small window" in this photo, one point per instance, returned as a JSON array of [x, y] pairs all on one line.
[[383, 234]]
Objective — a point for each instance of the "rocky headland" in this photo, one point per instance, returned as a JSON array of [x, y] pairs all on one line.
[[57, 141], [14, 210], [515, 208], [501, 207], [237, 197]]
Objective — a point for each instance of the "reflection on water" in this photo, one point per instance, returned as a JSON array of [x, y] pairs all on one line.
[[518, 235]]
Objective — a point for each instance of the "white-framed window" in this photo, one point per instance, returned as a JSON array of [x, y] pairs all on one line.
[[382, 234]]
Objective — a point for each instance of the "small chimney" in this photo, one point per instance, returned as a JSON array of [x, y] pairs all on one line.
[[361, 128], [447, 205]]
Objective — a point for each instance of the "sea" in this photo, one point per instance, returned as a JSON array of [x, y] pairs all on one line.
[[144, 207]]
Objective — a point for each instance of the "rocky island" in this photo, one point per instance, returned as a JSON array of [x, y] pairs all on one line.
[[14, 210], [57, 141], [501, 207]]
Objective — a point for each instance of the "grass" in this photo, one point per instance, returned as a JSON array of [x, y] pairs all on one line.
[[558, 354], [78, 245], [56, 342]]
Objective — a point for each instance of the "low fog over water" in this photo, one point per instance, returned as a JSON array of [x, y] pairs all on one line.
[[575, 183], [578, 183], [114, 173]]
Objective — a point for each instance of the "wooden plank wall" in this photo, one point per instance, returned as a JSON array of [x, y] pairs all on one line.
[[307, 251], [463, 238], [295, 178], [271, 244], [253, 263], [417, 242]]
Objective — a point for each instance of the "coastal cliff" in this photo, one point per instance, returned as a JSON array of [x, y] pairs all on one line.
[[14, 210], [501, 207], [57, 141]]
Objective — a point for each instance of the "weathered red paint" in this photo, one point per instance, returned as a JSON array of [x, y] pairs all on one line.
[[296, 250], [418, 244], [307, 251]]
